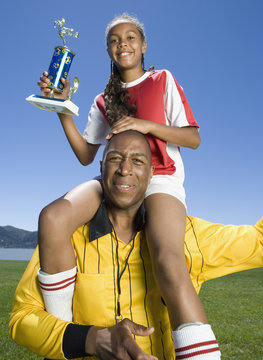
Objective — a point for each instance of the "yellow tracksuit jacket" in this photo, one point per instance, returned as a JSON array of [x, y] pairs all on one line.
[[211, 250]]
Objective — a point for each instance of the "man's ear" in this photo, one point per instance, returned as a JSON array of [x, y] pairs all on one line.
[[151, 173]]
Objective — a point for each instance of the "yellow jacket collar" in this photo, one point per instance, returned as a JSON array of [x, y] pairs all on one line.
[[100, 225]]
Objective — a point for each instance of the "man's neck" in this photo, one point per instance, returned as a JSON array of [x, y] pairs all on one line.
[[124, 222]]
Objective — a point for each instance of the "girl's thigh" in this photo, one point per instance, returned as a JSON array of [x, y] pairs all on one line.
[[166, 219]]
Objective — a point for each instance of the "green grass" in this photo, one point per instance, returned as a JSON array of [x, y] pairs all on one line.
[[233, 305], [11, 272], [234, 308]]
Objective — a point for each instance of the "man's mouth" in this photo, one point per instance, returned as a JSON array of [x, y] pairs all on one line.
[[124, 187]]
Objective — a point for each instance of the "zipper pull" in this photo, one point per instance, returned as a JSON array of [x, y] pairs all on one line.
[[118, 316]]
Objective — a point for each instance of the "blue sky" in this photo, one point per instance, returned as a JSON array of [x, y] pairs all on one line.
[[212, 47]]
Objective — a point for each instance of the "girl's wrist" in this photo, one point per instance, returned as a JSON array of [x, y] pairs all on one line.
[[152, 128], [64, 117]]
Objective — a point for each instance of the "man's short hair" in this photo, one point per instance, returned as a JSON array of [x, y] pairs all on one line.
[[132, 132]]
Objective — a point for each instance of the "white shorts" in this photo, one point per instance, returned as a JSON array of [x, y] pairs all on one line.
[[167, 184]]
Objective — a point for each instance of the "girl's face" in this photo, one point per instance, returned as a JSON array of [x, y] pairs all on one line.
[[125, 47]]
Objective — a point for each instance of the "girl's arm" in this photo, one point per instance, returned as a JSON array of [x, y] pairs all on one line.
[[182, 129], [84, 151], [182, 136]]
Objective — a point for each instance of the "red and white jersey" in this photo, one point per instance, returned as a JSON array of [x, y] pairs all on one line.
[[158, 97]]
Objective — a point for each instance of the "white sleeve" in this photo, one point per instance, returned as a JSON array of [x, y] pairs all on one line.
[[97, 127], [177, 109]]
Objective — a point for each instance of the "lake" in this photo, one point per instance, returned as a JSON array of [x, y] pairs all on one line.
[[15, 254]]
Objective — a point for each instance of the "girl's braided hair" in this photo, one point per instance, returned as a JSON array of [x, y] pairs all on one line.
[[116, 97]]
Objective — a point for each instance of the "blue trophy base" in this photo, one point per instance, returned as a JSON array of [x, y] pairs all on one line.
[[56, 105]]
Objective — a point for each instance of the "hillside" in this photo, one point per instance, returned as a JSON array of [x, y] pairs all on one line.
[[11, 237]]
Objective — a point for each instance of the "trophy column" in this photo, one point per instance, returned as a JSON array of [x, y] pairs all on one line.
[[59, 67]]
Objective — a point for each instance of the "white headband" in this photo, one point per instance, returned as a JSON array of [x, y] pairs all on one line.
[[123, 21]]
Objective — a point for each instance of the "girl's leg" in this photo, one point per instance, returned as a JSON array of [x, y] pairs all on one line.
[[165, 231], [59, 220], [57, 223]]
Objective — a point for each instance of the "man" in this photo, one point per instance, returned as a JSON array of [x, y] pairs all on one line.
[[115, 280]]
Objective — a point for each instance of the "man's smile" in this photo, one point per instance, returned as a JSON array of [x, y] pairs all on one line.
[[124, 187]]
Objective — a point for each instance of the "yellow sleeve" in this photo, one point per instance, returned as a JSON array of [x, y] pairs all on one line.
[[30, 325], [215, 250]]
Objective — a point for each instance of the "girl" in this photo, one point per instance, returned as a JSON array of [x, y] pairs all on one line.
[[152, 103]]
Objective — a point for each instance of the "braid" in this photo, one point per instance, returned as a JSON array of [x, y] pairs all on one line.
[[116, 98]]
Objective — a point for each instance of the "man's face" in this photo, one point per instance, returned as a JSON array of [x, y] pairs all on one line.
[[126, 170]]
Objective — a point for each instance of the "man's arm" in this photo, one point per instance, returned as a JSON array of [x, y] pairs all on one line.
[[32, 327], [116, 342], [214, 250]]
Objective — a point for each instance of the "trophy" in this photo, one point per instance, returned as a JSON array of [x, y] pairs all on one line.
[[59, 67]]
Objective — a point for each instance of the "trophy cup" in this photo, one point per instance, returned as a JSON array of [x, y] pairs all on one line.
[[59, 67]]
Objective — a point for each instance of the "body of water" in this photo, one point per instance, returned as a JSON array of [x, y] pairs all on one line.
[[16, 254]]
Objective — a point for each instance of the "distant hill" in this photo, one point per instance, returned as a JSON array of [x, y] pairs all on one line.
[[11, 237]]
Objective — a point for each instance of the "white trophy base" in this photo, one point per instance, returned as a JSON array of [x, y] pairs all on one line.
[[56, 105]]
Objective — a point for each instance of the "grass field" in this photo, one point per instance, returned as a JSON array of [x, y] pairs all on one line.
[[233, 305]]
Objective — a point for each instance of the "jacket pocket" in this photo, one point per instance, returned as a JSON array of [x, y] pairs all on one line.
[[89, 300]]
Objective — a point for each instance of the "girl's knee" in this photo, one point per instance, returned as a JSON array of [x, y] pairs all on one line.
[[54, 215]]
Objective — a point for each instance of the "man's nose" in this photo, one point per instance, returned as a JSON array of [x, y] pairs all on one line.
[[125, 167]]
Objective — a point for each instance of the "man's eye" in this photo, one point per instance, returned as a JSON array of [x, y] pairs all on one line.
[[114, 158], [131, 37], [113, 41], [137, 161]]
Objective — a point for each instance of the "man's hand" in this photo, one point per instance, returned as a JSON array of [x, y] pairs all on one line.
[[117, 342]]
